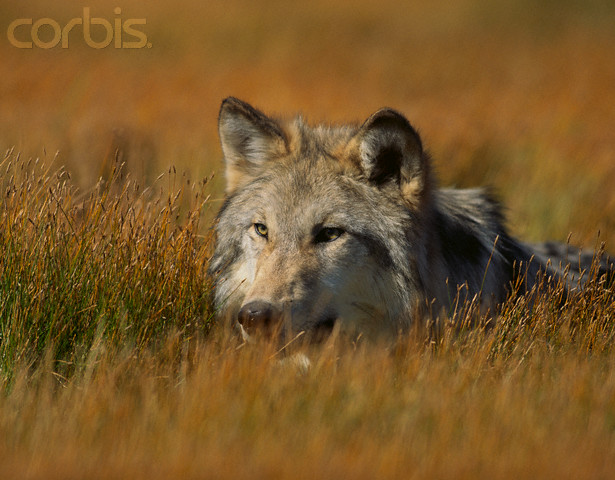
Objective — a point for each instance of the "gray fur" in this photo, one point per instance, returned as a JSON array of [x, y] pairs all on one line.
[[407, 248]]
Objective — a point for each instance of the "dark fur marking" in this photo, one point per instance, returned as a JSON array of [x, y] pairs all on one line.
[[308, 279], [386, 166], [516, 259], [376, 248], [554, 250], [458, 239]]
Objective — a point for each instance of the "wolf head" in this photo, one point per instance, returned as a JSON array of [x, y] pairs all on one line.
[[317, 222]]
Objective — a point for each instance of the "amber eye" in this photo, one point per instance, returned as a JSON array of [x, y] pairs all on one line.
[[261, 230], [328, 234]]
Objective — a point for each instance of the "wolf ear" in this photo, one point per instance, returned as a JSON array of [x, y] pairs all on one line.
[[389, 151], [249, 139]]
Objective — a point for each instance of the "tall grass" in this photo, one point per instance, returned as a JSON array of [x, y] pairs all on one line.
[[110, 368], [114, 264], [479, 405]]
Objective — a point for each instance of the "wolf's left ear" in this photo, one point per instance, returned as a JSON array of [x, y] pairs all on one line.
[[390, 151], [249, 139]]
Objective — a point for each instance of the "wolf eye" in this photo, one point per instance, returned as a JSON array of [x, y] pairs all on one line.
[[328, 234], [261, 230]]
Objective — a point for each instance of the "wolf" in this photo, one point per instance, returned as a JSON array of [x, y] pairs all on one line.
[[344, 227]]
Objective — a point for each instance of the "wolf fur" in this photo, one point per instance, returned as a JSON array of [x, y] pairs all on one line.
[[345, 227]]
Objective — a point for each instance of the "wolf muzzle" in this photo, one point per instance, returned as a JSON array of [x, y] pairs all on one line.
[[260, 316]]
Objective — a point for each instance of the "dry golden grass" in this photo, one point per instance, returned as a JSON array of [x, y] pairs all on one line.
[[107, 362], [462, 410]]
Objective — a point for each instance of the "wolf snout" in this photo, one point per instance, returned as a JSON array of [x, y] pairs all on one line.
[[259, 316]]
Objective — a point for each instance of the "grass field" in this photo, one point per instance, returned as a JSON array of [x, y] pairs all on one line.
[[111, 363]]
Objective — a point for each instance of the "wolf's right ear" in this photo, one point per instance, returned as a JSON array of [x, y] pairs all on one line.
[[249, 139]]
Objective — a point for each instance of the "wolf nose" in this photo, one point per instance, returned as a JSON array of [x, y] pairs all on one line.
[[258, 315]]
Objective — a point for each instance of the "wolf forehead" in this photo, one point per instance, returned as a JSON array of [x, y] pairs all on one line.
[[384, 151], [287, 168]]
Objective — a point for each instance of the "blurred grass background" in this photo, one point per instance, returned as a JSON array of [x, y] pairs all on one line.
[[519, 94]]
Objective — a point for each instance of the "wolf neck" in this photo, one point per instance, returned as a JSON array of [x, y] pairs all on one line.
[[469, 246]]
